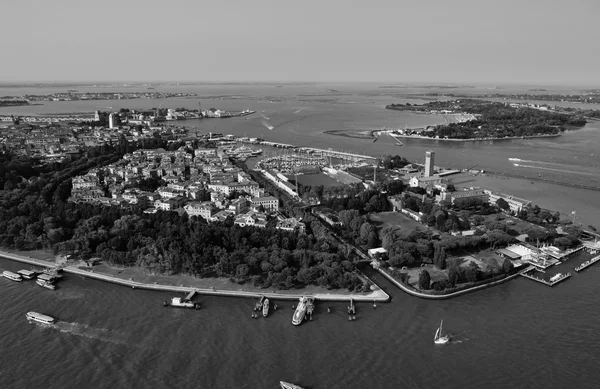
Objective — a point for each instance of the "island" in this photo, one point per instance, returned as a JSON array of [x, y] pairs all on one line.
[[78, 96], [12, 102], [142, 204], [491, 120]]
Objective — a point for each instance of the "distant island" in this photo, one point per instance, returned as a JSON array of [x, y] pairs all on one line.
[[13, 103], [76, 96], [492, 120]]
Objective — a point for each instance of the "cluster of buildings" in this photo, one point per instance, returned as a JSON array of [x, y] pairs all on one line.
[[431, 181], [203, 183], [53, 142]]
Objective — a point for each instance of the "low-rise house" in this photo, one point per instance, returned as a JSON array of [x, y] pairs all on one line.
[[251, 219], [291, 224]]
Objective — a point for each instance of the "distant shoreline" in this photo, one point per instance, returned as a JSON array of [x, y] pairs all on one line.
[[477, 139], [349, 134]]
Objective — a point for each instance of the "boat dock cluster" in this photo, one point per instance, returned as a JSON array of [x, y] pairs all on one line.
[[46, 279]]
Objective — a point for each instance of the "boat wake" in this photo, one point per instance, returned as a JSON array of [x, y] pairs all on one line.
[[85, 331], [538, 162], [267, 125], [555, 170]]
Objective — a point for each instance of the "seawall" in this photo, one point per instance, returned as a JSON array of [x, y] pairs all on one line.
[[377, 295], [443, 296]]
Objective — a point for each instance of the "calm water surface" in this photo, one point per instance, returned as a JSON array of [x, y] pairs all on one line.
[[517, 335]]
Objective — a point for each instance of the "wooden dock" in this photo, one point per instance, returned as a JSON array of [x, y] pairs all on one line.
[[587, 263], [545, 282]]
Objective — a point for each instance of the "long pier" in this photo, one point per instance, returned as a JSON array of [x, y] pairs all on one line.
[[333, 153], [587, 263], [377, 295]]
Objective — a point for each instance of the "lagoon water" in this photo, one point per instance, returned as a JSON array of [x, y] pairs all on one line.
[[516, 335]]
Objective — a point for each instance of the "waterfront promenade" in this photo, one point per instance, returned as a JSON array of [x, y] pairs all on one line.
[[376, 295], [448, 295]]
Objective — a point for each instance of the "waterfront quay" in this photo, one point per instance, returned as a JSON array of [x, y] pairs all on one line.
[[377, 295]]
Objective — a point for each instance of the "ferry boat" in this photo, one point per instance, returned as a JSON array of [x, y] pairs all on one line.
[[27, 274], [265, 308], [12, 276], [287, 385], [300, 311], [181, 303], [40, 318], [45, 284]]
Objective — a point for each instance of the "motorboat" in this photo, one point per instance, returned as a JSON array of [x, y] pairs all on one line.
[[265, 308], [287, 385], [45, 284], [439, 338], [12, 276], [39, 318], [27, 274], [179, 302]]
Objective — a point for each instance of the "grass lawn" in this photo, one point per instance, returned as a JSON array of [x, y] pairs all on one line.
[[513, 223], [435, 274], [485, 259], [401, 223]]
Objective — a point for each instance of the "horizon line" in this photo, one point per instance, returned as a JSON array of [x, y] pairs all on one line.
[[298, 82]]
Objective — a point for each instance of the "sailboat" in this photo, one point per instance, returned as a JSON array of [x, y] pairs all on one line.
[[439, 337]]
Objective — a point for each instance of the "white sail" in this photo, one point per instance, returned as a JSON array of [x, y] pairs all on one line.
[[437, 334]]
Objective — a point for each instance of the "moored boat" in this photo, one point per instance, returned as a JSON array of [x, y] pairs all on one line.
[[300, 311], [12, 276], [39, 317], [287, 385], [181, 303], [45, 284], [27, 274], [265, 308]]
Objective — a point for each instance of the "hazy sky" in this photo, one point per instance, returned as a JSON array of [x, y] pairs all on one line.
[[532, 41]]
